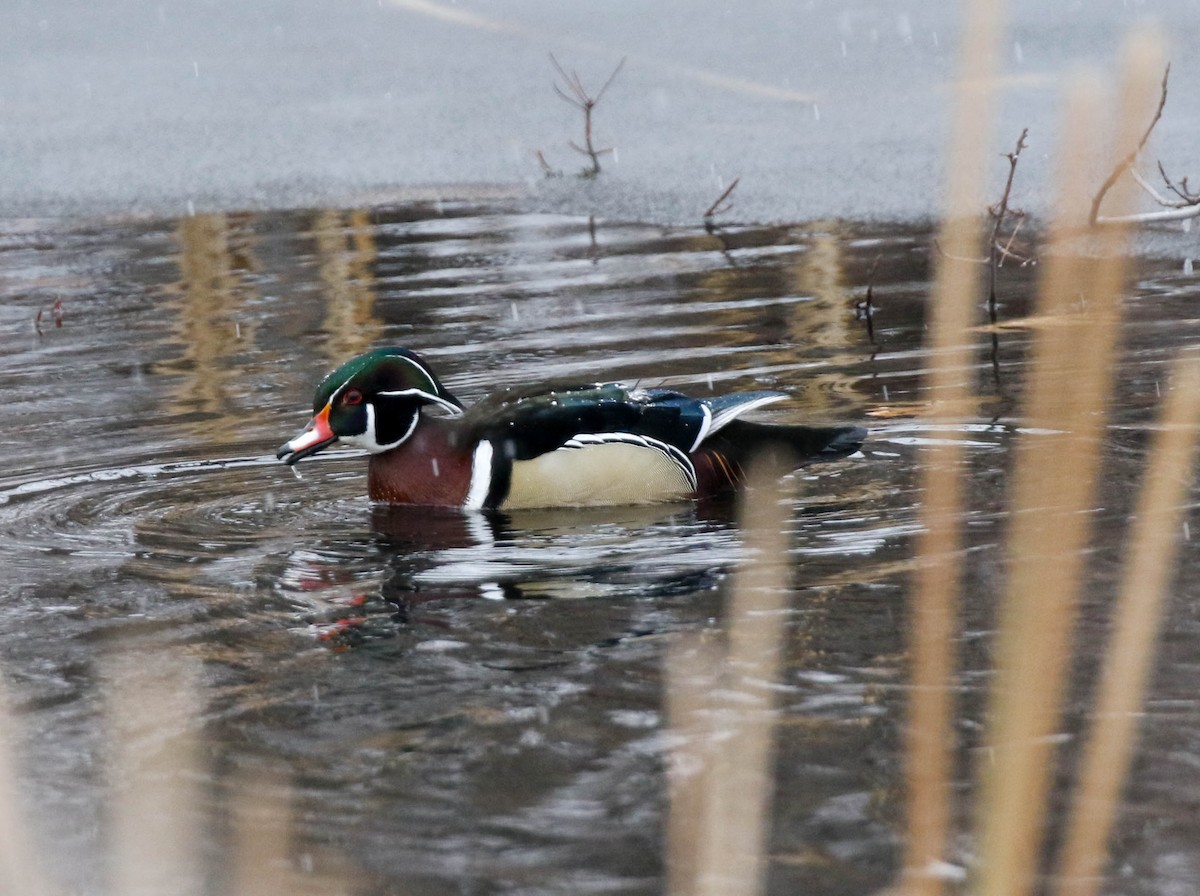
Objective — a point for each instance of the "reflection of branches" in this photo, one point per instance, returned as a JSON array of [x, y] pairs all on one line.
[[865, 310], [1186, 203], [577, 95]]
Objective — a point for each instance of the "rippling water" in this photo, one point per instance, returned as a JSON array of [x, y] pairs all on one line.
[[465, 704]]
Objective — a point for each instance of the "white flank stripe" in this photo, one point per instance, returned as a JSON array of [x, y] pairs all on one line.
[[681, 460], [481, 476], [704, 428], [726, 416]]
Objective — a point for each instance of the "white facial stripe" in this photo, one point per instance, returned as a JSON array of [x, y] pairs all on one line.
[[454, 409], [368, 439], [481, 476]]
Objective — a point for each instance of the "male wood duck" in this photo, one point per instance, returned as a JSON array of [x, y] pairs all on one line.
[[547, 445]]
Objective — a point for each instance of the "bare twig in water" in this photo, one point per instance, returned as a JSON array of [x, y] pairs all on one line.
[[721, 204], [999, 252], [577, 95], [1187, 202]]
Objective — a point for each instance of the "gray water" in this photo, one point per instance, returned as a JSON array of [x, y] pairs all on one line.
[[470, 704]]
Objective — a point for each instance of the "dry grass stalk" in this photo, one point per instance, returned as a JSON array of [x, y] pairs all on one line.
[[1129, 658], [722, 712], [930, 732], [1054, 482]]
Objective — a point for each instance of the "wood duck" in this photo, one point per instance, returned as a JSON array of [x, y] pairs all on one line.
[[547, 445]]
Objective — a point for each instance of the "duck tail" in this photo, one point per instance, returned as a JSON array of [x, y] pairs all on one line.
[[804, 443], [723, 458]]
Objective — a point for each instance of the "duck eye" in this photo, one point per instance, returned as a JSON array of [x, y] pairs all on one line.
[[352, 397]]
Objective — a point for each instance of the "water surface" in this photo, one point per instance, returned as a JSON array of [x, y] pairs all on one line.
[[469, 704]]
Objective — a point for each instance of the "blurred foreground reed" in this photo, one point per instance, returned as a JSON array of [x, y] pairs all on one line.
[[155, 770], [1059, 461]]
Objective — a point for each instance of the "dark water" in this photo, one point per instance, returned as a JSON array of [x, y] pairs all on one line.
[[470, 705]]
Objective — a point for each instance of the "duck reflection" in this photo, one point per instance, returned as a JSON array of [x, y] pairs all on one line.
[[570, 553], [433, 555]]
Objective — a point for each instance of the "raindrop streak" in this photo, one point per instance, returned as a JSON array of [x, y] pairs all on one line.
[[1187, 266], [196, 68]]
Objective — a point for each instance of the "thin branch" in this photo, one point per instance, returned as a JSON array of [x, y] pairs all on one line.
[[1006, 250], [1186, 196], [616, 71], [1127, 163], [545, 166], [1160, 217], [720, 205], [942, 252]]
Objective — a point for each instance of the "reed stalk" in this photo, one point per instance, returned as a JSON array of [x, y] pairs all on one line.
[[1139, 612], [929, 737], [722, 713], [1058, 460]]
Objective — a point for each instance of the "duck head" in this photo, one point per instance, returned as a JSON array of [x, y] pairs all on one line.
[[373, 402]]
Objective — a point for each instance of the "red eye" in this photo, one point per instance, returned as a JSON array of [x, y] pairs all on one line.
[[352, 397]]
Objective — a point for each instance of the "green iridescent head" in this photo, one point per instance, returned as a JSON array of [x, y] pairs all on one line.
[[373, 401]]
